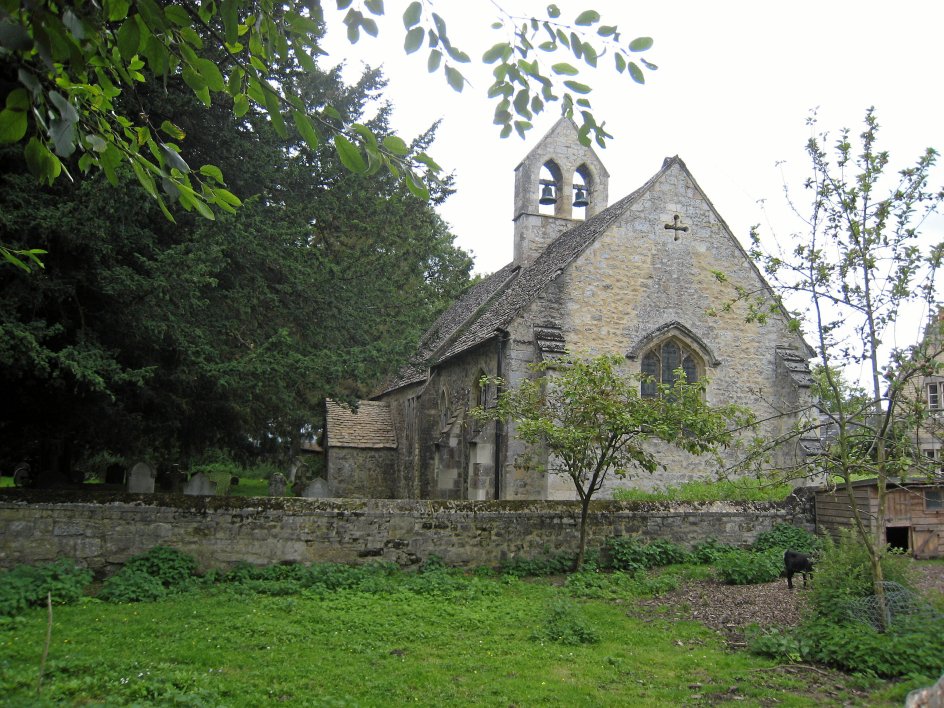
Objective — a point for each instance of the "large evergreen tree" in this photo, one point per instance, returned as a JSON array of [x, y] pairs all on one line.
[[144, 335]]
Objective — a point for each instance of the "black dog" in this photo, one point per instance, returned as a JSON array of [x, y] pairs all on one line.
[[797, 563]]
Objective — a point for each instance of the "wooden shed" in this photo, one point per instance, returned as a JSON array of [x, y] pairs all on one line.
[[914, 513]]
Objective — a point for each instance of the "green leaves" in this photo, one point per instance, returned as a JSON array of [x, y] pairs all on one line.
[[43, 165], [305, 129], [412, 14], [24, 259], [73, 66], [129, 38], [565, 69], [414, 39], [502, 50], [13, 117], [588, 17], [455, 78], [395, 145], [349, 155], [519, 72]]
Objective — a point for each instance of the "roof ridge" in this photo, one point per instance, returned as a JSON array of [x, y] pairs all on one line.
[[546, 267], [444, 330]]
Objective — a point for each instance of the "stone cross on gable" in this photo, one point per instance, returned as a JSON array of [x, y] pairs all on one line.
[[676, 226]]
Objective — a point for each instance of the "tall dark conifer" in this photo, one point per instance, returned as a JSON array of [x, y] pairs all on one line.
[[145, 337]]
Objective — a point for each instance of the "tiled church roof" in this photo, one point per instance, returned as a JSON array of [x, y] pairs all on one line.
[[370, 427], [491, 305], [546, 267], [462, 310]]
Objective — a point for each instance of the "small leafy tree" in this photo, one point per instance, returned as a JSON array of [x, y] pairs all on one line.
[[589, 417], [861, 261]]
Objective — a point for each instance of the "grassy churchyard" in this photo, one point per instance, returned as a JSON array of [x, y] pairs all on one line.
[[486, 644], [527, 634]]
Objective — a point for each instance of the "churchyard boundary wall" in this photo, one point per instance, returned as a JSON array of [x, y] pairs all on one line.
[[103, 530]]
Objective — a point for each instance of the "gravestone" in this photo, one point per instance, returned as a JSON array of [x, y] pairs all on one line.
[[141, 479], [277, 484], [200, 485], [316, 489]]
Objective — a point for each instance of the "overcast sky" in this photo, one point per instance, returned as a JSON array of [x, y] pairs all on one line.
[[735, 85]]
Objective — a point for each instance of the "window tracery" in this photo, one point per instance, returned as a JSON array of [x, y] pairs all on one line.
[[660, 364]]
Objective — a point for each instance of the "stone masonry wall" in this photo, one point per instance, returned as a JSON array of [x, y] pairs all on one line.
[[103, 530]]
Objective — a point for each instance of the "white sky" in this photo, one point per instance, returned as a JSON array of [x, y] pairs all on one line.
[[735, 84]]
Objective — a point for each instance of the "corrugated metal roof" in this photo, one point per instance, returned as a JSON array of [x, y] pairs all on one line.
[[371, 426]]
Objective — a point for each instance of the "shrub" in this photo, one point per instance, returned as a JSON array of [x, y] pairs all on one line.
[[618, 585], [843, 575], [740, 567], [909, 647], [371, 577], [627, 554], [432, 564], [27, 586], [132, 586], [566, 624], [710, 551], [601, 586], [151, 576], [784, 537], [558, 564], [171, 567]]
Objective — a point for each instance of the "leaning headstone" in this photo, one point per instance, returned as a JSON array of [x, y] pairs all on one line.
[[315, 489], [200, 485], [277, 484], [141, 479]]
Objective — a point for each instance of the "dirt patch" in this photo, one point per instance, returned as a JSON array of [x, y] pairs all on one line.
[[729, 609]]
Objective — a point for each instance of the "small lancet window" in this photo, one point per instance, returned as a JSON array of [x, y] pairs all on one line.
[[443, 410], [480, 390], [660, 364]]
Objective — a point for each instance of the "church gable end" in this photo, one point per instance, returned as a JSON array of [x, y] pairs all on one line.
[[639, 277]]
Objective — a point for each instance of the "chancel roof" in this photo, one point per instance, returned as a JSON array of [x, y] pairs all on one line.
[[370, 426]]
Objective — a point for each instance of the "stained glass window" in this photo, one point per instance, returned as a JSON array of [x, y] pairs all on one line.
[[660, 365]]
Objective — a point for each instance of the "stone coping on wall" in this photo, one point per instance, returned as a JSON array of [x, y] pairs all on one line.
[[70, 497]]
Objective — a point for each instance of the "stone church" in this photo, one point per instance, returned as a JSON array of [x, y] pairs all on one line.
[[635, 277]]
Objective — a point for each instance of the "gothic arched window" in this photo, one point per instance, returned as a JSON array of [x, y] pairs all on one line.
[[660, 363]]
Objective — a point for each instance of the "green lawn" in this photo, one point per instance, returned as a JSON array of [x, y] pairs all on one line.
[[481, 641]]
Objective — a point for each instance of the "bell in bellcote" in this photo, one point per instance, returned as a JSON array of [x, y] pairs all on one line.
[[580, 197], [547, 195]]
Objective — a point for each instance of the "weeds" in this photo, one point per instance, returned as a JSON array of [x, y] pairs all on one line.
[[27, 586], [722, 490], [565, 623]]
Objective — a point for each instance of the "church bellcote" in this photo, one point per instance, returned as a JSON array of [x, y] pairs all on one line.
[[559, 181]]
